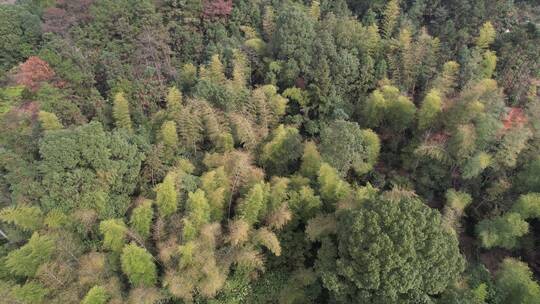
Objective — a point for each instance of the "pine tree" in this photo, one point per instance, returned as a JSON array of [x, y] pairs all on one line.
[[121, 112], [49, 121], [114, 234], [138, 265], [166, 196], [141, 218]]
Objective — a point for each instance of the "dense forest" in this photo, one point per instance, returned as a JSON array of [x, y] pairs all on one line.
[[270, 151]]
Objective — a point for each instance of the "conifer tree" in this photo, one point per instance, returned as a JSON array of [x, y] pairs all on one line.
[[166, 196], [121, 112], [138, 265]]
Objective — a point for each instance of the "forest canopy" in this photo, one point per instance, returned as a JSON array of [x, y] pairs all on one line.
[[269, 151]]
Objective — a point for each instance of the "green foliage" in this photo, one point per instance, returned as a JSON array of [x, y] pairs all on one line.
[[503, 231], [528, 206], [138, 265], [311, 160], [86, 167], [114, 234], [332, 187], [28, 218], [253, 204], [282, 152], [21, 34], [391, 15], [430, 110], [96, 295], [217, 113], [476, 164], [486, 36], [215, 184], [174, 102], [168, 134], [345, 146], [30, 293], [26, 260], [141, 218], [197, 214], [515, 284], [381, 253], [49, 121], [121, 112], [166, 196]]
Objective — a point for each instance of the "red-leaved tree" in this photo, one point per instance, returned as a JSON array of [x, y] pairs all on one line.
[[217, 8], [33, 73]]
